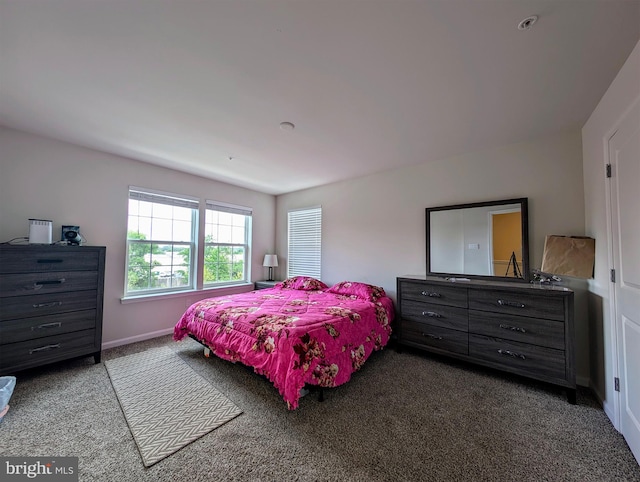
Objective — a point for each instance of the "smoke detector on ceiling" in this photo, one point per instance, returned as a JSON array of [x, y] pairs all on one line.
[[527, 22]]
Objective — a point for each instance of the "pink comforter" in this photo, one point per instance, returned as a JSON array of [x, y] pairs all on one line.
[[292, 337]]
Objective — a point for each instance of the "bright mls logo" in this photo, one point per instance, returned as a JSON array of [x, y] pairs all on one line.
[[51, 469]]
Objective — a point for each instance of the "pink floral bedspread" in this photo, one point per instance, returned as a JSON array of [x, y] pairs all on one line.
[[292, 337]]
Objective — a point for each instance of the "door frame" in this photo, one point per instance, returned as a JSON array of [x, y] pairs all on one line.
[[613, 308], [614, 330], [491, 214]]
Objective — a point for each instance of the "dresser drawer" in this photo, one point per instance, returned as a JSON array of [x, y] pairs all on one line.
[[437, 315], [521, 358], [541, 332], [516, 303], [26, 284], [33, 259], [39, 305], [434, 293], [18, 356], [46, 326], [427, 335]]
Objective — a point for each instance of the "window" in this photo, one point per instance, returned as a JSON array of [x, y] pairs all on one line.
[[305, 242], [161, 242], [226, 244], [166, 254]]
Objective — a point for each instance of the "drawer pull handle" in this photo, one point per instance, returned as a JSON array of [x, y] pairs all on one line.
[[49, 261], [44, 348], [512, 328], [512, 354], [429, 335], [57, 324], [516, 304], [431, 314], [47, 305], [49, 282], [431, 294]]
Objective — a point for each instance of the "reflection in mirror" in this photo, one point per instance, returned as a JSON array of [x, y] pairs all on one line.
[[488, 239]]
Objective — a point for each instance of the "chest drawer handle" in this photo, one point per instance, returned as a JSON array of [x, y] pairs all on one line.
[[512, 328], [431, 314], [429, 335], [431, 294], [49, 261], [47, 305], [44, 348], [38, 284], [516, 304], [512, 354], [56, 324]]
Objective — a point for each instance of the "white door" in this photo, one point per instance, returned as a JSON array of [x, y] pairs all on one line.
[[624, 156]]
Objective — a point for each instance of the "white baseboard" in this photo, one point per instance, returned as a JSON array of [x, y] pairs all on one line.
[[137, 338], [610, 412], [607, 407]]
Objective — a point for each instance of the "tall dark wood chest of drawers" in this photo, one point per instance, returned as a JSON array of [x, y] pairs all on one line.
[[515, 327], [50, 304]]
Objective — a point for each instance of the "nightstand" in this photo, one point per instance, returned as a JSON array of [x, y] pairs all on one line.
[[261, 285]]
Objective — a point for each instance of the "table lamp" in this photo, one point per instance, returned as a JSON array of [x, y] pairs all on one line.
[[271, 261]]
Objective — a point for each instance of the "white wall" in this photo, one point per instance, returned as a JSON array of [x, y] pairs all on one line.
[[373, 228], [624, 90], [47, 179]]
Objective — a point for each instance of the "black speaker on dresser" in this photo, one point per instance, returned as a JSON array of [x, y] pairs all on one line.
[[71, 234]]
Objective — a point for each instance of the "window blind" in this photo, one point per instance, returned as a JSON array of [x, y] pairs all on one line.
[[305, 242], [162, 198], [229, 208]]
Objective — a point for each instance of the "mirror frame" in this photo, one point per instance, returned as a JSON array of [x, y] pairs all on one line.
[[526, 275]]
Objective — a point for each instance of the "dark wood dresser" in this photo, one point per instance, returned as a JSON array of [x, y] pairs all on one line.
[[50, 304], [515, 327]]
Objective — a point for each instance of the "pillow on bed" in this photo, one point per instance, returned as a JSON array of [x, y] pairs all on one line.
[[303, 283], [359, 290]]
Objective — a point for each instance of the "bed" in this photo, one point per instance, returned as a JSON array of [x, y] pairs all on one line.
[[301, 332]]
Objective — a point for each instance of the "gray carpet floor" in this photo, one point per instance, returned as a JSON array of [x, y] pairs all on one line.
[[406, 416]]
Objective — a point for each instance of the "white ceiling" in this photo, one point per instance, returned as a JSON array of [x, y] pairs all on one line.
[[370, 84]]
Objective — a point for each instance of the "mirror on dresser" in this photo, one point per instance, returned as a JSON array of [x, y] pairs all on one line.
[[486, 240]]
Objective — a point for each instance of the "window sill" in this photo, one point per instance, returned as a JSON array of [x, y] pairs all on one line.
[[213, 291]]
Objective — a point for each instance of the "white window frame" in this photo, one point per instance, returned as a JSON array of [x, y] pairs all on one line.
[[223, 207], [170, 199], [304, 240]]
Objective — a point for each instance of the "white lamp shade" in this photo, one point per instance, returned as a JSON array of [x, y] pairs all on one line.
[[270, 260]]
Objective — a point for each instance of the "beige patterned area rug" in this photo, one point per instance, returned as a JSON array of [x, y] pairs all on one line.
[[165, 402]]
